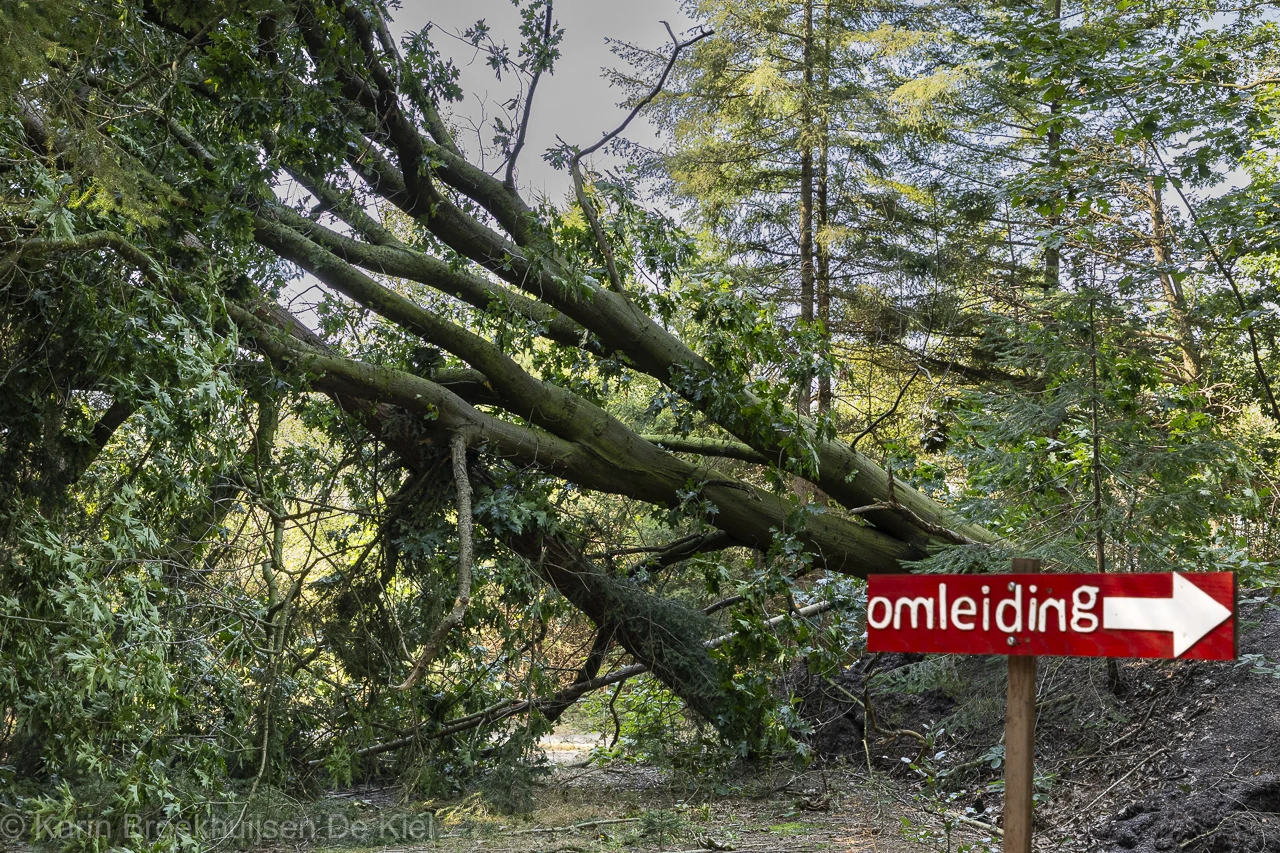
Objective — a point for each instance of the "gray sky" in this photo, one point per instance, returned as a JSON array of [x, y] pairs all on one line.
[[575, 102]]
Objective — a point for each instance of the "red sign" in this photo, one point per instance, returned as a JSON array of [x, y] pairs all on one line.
[[1114, 615]]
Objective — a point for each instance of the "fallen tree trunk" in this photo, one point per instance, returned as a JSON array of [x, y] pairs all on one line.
[[603, 455], [664, 636]]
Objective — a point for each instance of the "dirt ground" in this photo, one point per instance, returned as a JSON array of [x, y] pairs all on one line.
[[592, 809], [1204, 771], [833, 805]]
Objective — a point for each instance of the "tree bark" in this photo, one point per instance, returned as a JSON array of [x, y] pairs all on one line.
[[1174, 297], [458, 446], [1053, 148], [822, 237], [663, 635], [804, 399], [601, 454]]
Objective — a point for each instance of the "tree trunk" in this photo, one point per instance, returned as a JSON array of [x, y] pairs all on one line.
[[1053, 146], [662, 634], [804, 393], [1174, 297], [822, 237], [805, 396]]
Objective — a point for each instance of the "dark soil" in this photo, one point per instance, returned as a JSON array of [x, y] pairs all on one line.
[[1216, 786]]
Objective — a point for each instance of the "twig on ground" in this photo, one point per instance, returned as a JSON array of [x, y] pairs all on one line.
[[1132, 770], [980, 824], [1184, 845], [574, 827]]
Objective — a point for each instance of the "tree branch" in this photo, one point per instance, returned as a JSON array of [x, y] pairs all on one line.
[[680, 550], [603, 456], [653, 93], [403, 262], [579, 187], [539, 66], [458, 447], [567, 696], [708, 447]]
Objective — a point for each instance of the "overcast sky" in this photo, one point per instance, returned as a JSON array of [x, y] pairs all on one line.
[[576, 102]]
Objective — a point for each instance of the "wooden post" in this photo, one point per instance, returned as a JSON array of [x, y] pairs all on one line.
[[1019, 742]]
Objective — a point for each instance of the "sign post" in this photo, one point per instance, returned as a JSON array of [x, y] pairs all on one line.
[[1020, 742], [1026, 614]]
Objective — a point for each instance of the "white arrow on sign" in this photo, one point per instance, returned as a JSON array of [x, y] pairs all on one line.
[[1190, 614]]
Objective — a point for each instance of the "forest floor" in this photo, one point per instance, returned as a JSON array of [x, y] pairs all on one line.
[[1181, 756], [589, 809]]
